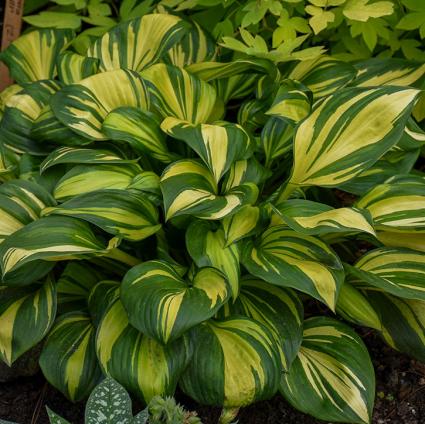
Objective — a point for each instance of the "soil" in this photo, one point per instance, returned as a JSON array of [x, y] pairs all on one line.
[[400, 397]]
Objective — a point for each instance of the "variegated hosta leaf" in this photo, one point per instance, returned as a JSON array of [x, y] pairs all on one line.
[[276, 139], [8, 163], [101, 297], [245, 171], [138, 43], [419, 110], [312, 218], [333, 371], [109, 402], [177, 93], [266, 87], [48, 129], [6, 94], [29, 170], [162, 305], [235, 363], [413, 137], [22, 109], [189, 188], [391, 163], [83, 106], [80, 155], [286, 258], [415, 241], [51, 238], [323, 75], [396, 271], [390, 71], [75, 283], [196, 46], [236, 87], [87, 178], [397, 205], [128, 215], [219, 144], [26, 315], [353, 306], [252, 114], [347, 133], [292, 102], [278, 309], [148, 183], [208, 248], [32, 56], [73, 67], [68, 359], [244, 223], [151, 369], [21, 202], [209, 71], [403, 322], [140, 129]]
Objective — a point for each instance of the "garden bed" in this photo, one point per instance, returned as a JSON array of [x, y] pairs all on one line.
[[400, 397], [225, 197]]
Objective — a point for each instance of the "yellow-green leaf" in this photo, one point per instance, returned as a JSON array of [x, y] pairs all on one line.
[[68, 359], [363, 10], [180, 94], [286, 258], [151, 369], [353, 306], [26, 315], [333, 371], [189, 188], [279, 309], [347, 133], [32, 56], [235, 363], [138, 43], [219, 144], [73, 67], [308, 217], [83, 106], [87, 178], [162, 305], [403, 323], [122, 213], [397, 205], [140, 129], [208, 248], [396, 271]]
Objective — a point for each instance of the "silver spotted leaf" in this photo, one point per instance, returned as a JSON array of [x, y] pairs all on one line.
[[109, 403]]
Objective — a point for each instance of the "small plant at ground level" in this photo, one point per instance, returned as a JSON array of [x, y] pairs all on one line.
[[110, 403], [166, 411], [175, 214]]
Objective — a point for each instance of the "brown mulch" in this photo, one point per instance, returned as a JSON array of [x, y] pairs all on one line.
[[400, 397]]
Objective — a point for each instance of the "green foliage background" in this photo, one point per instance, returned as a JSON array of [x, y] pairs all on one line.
[[348, 29]]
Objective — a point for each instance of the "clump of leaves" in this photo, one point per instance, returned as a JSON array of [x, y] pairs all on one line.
[[176, 214]]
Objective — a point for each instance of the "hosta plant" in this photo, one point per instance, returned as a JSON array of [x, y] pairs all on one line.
[[173, 214]]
